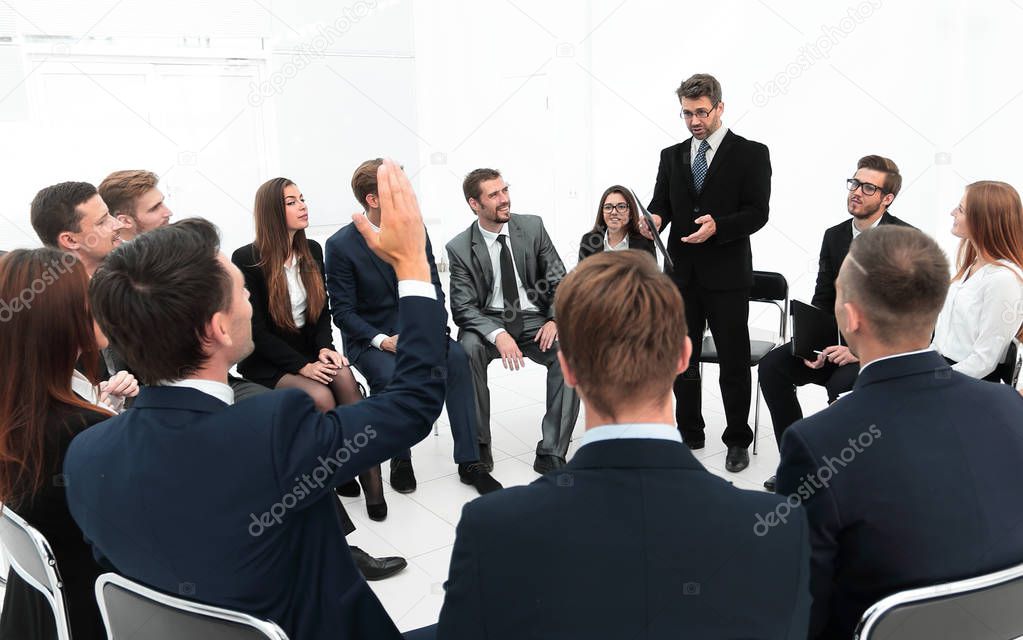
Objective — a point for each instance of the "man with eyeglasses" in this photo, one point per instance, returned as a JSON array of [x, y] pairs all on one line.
[[714, 189], [871, 191]]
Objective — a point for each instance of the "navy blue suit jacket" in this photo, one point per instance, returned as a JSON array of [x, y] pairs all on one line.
[[233, 505], [632, 539], [934, 493], [363, 290]]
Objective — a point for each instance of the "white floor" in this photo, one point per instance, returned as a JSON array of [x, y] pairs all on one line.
[[421, 525]]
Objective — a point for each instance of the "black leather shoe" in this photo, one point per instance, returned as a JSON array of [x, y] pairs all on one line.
[[376, 568], [377, 512], [769, 483], [474, 474], [694, 444], [486, 457], [403, 479], [737, 459], [545, 464], [349, 489]]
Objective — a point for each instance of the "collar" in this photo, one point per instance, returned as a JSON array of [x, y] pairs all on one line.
[[218, 390], [645, 431], [903, 364], [489, 236], [713, 140], [635, 453], [856, 232], [623, 241]]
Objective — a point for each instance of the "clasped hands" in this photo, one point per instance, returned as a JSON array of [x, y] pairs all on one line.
[[707, 228]]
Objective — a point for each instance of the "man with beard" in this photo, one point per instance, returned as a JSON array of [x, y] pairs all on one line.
[[504, 272], [871, 191]]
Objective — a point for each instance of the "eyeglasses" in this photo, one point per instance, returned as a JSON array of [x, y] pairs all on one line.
[[868, 189], [621, 207], [699, 113]]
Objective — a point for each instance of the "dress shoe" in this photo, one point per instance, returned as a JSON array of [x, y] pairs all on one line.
[[486, 457], [377, 512], [546, 463], [473, 473], [737, 459], [769, 483], [694, 444], [403, 479], [376, 568], [349, 489]]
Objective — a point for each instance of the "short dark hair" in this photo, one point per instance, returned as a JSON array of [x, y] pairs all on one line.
[[154, 296], [698, 86], [471, 185], [54, 210], [892, 178], [364, 180], [621, 328], [898, 277]]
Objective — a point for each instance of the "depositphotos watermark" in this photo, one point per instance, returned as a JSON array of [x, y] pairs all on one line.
[[23, 301], [309, 483], [816, 481]]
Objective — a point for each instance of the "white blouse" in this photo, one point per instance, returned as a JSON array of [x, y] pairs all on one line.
[[980, 317], [296, 291], [90, 393]]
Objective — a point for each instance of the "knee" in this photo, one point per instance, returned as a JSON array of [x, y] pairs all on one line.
[[322, 397], [471, 345]]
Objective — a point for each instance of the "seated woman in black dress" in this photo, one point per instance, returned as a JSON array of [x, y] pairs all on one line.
[[39, 415], [616, 227], [291, 325]]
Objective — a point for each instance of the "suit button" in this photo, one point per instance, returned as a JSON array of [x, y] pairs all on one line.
[[696, 209]]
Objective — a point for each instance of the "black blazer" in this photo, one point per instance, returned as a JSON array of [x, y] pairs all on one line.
[[834, 248], [593, 242], [934, 493], [278, 351], [735, 192], [632, 539], [188, 495], [363, 290], [25, 613]]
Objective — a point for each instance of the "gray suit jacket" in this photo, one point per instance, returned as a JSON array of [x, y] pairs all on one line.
[[472, 276]]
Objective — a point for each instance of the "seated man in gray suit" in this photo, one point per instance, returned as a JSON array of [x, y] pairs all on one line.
[[504, 271]]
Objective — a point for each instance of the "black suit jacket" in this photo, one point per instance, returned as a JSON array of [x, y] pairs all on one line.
[[25, 613], [934, 494], [593, 242], [735, 192], [363, 290], [834, 248], [632, 539], [278, 351], [234, 505]]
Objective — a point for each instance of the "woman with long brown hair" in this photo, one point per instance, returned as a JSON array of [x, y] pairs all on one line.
[[46, 330], [291, 325], [983, 311], [616, 227]]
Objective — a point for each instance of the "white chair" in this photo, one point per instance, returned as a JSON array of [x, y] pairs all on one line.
[[131, 610], [986, 607], [32, 558]]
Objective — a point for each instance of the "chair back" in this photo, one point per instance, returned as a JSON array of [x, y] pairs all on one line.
[[32, 558], [770, 287], [981, 608], [131, 610]]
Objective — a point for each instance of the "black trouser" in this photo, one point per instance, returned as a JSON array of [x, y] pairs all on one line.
[[727, 314], [781, 372]]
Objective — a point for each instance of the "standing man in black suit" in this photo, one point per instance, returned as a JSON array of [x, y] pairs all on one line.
[[714, 190], [871, 191], [916, 477], [637, 539], [504, 272]]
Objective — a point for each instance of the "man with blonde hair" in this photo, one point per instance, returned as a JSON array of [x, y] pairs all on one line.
[[633, 537], [135, 200]]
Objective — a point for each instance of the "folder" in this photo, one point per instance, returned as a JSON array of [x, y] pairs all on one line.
[[813, 329]]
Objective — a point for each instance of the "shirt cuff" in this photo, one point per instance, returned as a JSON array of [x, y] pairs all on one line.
[[378, 340], [492, 336], [416, 288]]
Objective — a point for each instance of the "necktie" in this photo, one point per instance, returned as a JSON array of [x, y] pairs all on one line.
[[700, 166], [512, 310]]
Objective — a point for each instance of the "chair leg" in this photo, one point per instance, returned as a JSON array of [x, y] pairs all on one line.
[[756, 419], [436, 431]]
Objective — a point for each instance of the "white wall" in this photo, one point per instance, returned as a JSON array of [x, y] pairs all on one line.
[[564, 97]]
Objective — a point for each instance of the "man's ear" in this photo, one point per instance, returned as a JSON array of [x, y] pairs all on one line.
[[218, 332], [853, 319], [566, 371], [372, 201], [687, 352], [126, 220], [888, 200], [474, 204], [66, 240]]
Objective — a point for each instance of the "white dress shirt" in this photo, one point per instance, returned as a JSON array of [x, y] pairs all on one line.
[[856, 232], [90, 393], [621, 246], [296, 291], [714, 140], [219, 390], [982, 314], [496, 302], [647, 431]]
